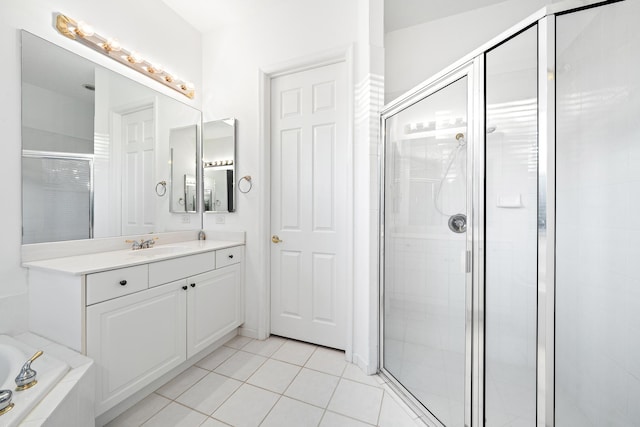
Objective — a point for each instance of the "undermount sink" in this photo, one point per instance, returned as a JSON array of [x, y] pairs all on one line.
[[160, 250]]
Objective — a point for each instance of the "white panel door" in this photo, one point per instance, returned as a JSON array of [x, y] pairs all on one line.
[[138, 151], [308, 197]]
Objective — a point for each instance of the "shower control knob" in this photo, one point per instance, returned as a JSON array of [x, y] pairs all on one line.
[[458, 223]]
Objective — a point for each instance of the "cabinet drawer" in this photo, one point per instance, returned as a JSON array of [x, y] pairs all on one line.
[[178, 268], [116, 283], [228, 256]]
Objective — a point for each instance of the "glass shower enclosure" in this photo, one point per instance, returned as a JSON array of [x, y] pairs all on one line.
[[508, 291]]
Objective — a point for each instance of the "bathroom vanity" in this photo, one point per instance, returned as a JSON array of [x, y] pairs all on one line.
[[139, 314]]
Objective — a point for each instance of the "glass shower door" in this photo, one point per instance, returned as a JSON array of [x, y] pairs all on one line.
[[425, 251], [597, 359]]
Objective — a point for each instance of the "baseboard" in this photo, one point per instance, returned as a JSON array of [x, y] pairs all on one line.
[[247, 332], [366, 367]]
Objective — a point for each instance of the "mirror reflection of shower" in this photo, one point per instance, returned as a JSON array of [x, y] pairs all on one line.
[[448, 176]]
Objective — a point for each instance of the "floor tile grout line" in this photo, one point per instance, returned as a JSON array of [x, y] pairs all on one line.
[[227, 358], [269, 356], [215, 419], [236, 390], [269, 411], [193, 385], [333, 393], [154, 414], [193, 409], [351, 418], [280, 395], [324, 412], [380, 408], [348, 416]]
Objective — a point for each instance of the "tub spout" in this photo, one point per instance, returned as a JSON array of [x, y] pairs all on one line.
[[27, 376]]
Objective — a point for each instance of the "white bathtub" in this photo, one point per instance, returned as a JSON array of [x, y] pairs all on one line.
[[13, 354]]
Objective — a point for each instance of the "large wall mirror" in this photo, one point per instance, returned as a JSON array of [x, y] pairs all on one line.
[[103, 156], [219, 162]]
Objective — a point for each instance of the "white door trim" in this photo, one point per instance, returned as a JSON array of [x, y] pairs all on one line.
[[264, 131]]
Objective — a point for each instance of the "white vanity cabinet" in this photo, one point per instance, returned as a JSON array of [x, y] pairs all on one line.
[[214, 307], [139, 322], [135, 339]]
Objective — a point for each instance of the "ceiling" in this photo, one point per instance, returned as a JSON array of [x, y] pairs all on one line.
[[207, 15], [400, 14], [49, 66]]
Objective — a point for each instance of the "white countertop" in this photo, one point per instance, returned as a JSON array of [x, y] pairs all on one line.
[[102, 261]]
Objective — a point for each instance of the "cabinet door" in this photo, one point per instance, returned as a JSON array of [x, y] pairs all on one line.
[[214, 306], [135, 339]]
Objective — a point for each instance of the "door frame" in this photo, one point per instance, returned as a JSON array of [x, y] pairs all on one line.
[[473, 69], [265, 75]]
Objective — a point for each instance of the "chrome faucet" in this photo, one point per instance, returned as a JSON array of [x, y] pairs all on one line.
[[142, 244], [27, 376], [5, 401], [146, 244]]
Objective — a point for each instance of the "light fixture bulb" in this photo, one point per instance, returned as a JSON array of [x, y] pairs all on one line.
[[84, 30], [154, 68], [111, 45], [134, 57]]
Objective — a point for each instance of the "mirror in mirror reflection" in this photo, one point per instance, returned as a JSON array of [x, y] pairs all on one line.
[[218, 160]]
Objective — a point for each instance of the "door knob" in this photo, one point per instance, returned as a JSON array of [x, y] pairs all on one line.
[[276, 239]]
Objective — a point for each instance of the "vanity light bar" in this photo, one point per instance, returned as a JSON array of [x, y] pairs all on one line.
[[218, 163], [84, 34]]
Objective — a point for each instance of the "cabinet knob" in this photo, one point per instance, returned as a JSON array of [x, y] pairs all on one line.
[[184, 287], [230, 255], [123, 282], [193, 285]]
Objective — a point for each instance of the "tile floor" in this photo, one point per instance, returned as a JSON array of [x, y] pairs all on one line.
[[275, 383]]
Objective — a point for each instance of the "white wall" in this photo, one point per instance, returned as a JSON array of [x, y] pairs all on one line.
[[414, 54], [133, 24], [54, 122], [233, 56]]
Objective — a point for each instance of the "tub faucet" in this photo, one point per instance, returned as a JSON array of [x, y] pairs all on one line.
[[27, 376], [5, 401]]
